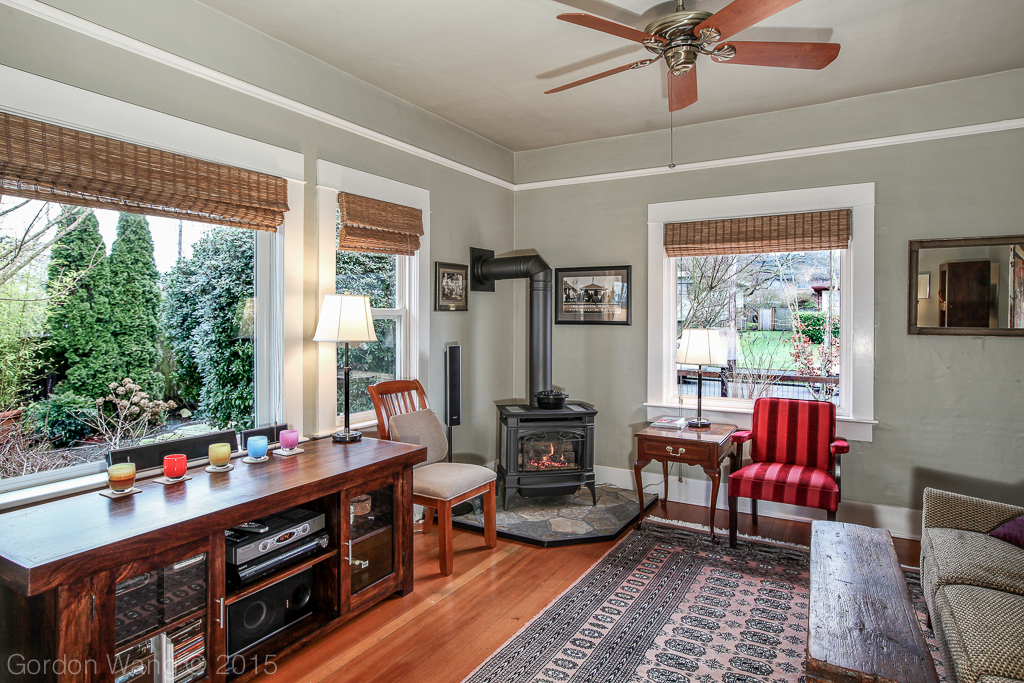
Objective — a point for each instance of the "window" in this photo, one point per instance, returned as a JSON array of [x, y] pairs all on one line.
[[763, 294], [779, 315], [375, 275], [53, 278], [398, 287], [119, 328]]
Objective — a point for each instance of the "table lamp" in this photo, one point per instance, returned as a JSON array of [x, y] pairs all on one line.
[[700, 348], [345, 318]]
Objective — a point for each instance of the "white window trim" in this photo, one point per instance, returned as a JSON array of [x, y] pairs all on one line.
[[413, 282], [856, 415]]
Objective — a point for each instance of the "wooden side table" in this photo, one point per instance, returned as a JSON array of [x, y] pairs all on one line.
[[705, 448]]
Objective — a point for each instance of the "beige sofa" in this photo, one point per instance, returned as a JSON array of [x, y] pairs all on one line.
[[974, 586]]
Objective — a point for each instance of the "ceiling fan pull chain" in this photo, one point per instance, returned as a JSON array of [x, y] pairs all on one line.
[[671, 139]]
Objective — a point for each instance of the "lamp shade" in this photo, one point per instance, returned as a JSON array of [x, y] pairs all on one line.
[[701, 347], [345, 318]]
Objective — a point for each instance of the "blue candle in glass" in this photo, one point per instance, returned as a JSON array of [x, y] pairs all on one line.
[[257, 447]]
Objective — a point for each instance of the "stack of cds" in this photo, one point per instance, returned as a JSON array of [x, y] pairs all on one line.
[[184, 653]]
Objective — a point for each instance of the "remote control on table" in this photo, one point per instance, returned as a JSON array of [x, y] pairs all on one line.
[[234, 536], [256, 527]]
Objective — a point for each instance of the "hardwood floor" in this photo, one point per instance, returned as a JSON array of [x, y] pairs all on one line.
[[449, 625]]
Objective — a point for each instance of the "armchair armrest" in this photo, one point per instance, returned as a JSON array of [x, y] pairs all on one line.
[[741, 437], [839, 446], [956, 511]]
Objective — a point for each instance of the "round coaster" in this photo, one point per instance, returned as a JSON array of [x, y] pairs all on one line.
[[215, 470], [255, 461]]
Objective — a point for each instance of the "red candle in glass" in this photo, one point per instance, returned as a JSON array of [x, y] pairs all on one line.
[[175, 466]]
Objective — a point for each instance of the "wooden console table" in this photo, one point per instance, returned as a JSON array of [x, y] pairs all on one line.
[[60, 561], [705, 448], [862, 625]]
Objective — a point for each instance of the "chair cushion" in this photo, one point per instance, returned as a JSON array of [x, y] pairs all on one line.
[[984, 631], [781, 483], [954, 556], [446, 480], [795, 432], [421, 427]]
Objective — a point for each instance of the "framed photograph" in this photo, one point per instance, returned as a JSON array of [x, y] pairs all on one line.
[[593, 296], [451, 287]]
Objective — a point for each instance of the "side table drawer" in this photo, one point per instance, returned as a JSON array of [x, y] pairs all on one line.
[[682, 450]]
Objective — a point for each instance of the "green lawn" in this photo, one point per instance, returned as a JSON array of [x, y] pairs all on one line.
[[758, 346]]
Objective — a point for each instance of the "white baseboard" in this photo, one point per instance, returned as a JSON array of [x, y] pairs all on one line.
[[901, 522]]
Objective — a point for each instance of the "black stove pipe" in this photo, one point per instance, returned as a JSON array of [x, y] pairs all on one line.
[[486, 270]]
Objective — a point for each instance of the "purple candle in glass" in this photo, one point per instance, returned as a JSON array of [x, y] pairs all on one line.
[[289, 439]]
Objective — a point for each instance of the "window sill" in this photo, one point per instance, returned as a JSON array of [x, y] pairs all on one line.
[[847, 427], [355, 426], [57, 489]]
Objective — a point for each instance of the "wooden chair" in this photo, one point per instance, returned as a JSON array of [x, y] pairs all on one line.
[[403, 414], [796, 458]]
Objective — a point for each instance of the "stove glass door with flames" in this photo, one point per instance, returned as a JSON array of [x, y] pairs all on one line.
[[551, 450]]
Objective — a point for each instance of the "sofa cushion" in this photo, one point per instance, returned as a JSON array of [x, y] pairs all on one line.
[[446, 480], [1011, 532], [984, 630], [954, 556]]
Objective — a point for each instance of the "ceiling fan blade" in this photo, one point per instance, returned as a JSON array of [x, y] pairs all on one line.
[[682, 90], [599, 24], [603, 74], [788, 55], [741, 14]]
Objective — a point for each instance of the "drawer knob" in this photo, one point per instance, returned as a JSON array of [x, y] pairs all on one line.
[[679, 452]]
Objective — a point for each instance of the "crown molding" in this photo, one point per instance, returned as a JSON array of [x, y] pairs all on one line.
[[93, 30], [870, 143]]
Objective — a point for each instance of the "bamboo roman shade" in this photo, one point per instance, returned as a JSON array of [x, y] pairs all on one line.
[[378, 227], [49, 162], [814, 231]]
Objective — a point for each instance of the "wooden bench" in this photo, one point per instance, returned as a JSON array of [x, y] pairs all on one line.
[[863, 626]]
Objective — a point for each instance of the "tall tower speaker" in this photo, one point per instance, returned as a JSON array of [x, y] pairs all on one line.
[[453, 384]]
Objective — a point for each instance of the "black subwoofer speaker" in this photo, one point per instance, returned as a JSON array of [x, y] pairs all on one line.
[[268, 611]]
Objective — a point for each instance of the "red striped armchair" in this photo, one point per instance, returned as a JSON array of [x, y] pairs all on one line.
[[795, 454]]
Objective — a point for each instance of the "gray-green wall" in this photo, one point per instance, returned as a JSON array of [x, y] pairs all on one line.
[[949, 410]]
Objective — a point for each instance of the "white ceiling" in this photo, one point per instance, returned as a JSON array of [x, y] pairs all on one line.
[[484, 64]]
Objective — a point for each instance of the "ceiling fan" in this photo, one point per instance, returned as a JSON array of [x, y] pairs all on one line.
[[681, 36]]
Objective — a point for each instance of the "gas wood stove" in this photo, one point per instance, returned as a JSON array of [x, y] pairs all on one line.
[[546, 452]]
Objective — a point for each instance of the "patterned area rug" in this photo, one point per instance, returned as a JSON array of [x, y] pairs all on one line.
[[666, 606]]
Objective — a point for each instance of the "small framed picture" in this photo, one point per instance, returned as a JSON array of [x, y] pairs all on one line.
[[593, 296], [451, 287]]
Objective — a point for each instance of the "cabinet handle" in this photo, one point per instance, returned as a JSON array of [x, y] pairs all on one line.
[[220, 613], [680, 451], [362, 564]]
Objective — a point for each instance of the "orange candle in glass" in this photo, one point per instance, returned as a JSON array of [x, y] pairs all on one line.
[[220, 455], [121, 477]]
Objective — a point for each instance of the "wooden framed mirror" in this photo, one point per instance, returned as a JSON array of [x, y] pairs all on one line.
[[966, 286]]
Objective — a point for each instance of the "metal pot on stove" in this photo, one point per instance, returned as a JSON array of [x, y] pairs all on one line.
[[551, 400]]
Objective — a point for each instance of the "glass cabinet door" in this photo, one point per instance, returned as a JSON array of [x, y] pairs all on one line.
[[371, 537]]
